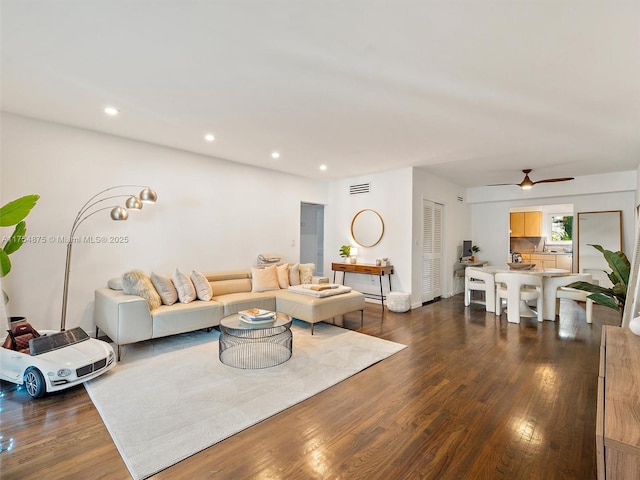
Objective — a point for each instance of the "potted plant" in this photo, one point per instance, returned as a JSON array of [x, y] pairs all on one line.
[[345, 252], [475, 249], [616, 296], [14, 213]]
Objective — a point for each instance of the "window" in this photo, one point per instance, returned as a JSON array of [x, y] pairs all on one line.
[[561, 228]]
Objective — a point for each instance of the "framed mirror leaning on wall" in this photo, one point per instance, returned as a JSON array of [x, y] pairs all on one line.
[[598, 228], [367, 228]]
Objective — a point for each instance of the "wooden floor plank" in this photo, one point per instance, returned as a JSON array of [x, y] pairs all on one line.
[[471, 397]]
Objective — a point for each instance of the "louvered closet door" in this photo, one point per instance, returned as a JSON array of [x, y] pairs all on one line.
[[431, 250]]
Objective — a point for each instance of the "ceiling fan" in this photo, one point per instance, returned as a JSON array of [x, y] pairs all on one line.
[[526, 183]]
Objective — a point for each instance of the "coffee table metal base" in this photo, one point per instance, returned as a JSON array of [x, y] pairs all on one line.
[[258, 347]]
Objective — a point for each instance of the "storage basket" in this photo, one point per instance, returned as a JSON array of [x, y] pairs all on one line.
[[398, 301]]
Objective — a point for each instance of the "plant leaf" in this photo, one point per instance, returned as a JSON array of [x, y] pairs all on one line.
[[590, 287], [17, 238], [5, 263], [618, 262], [5, 297], [16, 211], [604, 300]]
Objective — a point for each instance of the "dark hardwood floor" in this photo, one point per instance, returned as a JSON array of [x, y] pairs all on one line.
[[471, 397]]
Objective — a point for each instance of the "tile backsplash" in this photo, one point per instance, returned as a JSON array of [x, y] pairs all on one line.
[[527, 244]]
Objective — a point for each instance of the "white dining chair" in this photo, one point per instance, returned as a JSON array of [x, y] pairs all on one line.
[[477, 280], [555, 288], [518, 289]]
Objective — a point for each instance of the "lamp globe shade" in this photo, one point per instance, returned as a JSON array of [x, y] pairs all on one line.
[[148, 195], [119, 213]]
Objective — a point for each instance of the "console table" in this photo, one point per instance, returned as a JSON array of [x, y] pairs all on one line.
[[364, 269], [618, 410]]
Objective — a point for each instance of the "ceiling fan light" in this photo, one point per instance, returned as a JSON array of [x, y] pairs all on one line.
[[526, 186]]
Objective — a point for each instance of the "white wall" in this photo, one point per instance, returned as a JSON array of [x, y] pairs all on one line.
[[456, 227], [211, 214], [390, 196]]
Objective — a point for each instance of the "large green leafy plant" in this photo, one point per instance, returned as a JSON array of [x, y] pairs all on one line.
[[12, 215], [616, 296]]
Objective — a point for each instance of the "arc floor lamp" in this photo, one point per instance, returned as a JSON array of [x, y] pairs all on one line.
[[118, 213]]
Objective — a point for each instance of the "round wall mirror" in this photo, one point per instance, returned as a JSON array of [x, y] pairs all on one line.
[[367, 228]]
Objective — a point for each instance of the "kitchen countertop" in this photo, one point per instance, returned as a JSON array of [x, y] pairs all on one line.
[[547, 253]]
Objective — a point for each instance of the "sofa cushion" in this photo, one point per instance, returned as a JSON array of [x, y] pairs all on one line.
[[234, 302], [306, 272], [224, 287], [138, 283], [165, 287], [202, 286], [264, 279], [186, 317], [184, 286], [312, 309], [294, 274], [283, 275]]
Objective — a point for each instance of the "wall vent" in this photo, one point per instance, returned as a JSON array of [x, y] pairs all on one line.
[[359, 188]]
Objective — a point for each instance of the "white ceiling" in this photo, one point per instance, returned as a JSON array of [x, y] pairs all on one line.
[[473, 90]]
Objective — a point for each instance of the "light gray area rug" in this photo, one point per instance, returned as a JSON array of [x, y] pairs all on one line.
[[171, 397]]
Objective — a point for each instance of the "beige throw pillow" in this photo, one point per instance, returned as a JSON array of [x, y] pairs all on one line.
[[165, 288], [294, 274], [306, 272], [184, 286], [264, 279], [283, 275], [202, 285], [138, 283]]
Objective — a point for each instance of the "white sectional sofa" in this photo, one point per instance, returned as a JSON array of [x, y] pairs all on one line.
[[128, 319]]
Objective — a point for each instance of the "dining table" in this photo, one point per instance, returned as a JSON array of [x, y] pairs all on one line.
[[525, 309]]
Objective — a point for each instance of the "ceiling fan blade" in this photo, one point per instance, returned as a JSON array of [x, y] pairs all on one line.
[[550, 180], [527, 183]]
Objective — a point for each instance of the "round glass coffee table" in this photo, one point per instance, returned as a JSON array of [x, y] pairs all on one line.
[[247, 345]]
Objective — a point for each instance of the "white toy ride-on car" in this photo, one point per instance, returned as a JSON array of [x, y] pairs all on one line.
[[50, 361]]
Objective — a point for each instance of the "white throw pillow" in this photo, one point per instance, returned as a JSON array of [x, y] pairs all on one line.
[[306, 272], [283, 275], [184, 286], [138, 283], [294, 274], [165, 288], [264, 279], [203, 287]]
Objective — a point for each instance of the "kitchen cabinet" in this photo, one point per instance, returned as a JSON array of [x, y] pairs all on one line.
[[525, 224], [565, 262], [543, 261], [549, 260], [517, 224]]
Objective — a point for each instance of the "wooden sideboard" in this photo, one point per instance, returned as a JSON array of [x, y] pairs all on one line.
[[618, 412], [364, 269]]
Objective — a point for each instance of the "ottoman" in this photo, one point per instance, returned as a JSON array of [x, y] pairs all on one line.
[[398, 301]]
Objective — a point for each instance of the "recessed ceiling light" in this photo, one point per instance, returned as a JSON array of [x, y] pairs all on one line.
[[275, 155], [209, 137], [323, 167], [111, 111]]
